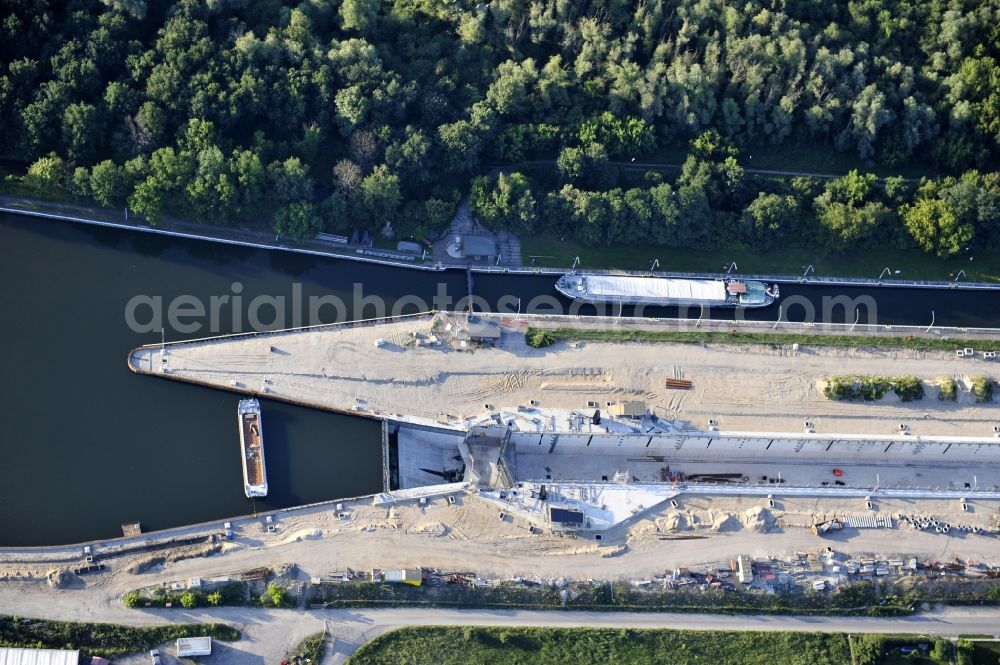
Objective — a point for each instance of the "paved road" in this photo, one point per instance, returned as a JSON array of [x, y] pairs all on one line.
[[269, 632], [353, 627], [676, 166]]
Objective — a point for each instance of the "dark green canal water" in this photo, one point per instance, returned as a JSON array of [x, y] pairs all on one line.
[[86, 445]]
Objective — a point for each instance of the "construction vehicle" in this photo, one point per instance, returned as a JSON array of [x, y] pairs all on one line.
[[823, 528]]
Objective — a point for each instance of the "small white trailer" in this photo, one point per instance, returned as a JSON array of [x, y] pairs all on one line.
[[194, 646]]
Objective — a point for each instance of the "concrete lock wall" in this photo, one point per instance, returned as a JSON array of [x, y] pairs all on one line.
[[729, 446]]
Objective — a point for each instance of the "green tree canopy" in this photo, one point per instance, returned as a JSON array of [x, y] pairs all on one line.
[[298, 220], [943, 217], [768, 219], [506, 201], [47, 171], [380, 195], [107, 184]]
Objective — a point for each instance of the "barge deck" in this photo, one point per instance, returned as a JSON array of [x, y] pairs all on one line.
[[252, 447]]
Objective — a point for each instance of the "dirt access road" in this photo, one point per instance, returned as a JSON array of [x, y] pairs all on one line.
[[269, 633]]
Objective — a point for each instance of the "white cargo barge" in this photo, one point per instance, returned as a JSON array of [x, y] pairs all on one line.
[[663, 291], [252, 446]]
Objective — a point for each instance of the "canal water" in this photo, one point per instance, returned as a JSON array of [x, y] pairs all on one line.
[[86, 445]]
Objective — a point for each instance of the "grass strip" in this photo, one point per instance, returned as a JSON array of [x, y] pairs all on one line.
[[545, 336], [856, 599]]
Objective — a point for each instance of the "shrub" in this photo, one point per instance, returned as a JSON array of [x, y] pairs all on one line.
[[873, 387], [79, 184], [840, 388], [909, 388], [868, 649], [47, 171], [982, 388], [947, 388], [538, 339], [233, 593], [309, 650], [965, 650], [275, 596], [941, 651], [868, 388]]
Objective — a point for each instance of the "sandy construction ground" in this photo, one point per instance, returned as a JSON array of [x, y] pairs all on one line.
[[749, 387], [467, 536], [743, 387]]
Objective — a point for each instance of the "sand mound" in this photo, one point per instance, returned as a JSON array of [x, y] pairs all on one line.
[[145, 565], [612, 550], [643, 528], [304, 534], [724, 522], [59, 578], [757, 519], [673, 520], [429, 528]]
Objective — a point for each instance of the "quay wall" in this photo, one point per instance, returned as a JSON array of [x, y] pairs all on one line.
[[708, 446], [164, 539]]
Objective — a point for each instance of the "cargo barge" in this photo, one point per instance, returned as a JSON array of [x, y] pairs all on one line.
[[252, 446], [666, 292]]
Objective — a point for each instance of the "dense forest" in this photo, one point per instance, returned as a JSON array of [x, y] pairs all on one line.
[[337, 114]]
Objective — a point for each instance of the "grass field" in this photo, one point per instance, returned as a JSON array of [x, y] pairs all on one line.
[[911, 264], [986, 653], [545, 646], [437, 645]]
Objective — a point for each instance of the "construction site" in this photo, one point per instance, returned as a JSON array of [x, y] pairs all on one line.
[[585, 474], [582, 438], [666, 467]]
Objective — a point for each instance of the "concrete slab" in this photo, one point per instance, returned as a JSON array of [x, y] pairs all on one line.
[[414, 375]]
